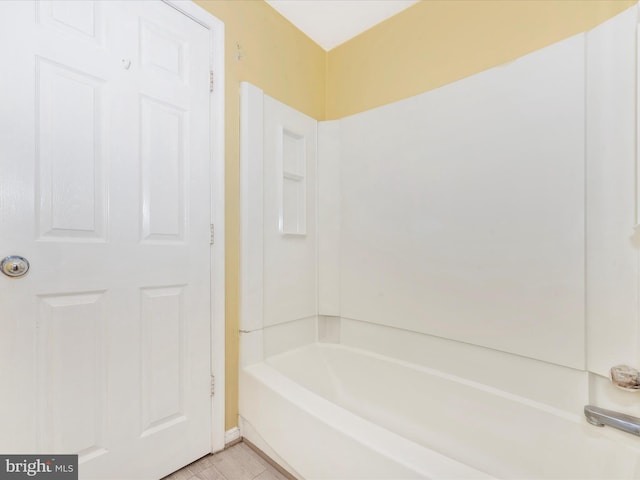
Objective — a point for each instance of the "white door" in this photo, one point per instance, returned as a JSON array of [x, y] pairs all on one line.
[[104, 188]]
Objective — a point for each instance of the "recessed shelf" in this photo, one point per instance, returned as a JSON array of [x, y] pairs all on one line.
[[293, 189]]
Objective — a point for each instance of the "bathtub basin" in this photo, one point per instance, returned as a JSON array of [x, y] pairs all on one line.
[[336, 412]]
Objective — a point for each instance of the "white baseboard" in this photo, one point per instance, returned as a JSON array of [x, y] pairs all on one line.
[[231, 435]]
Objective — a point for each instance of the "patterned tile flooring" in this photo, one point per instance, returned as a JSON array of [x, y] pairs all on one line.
[[238, 462]]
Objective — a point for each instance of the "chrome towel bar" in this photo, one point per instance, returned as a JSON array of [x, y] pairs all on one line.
[[600, 417]]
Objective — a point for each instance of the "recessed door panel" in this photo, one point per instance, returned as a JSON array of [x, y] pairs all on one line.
[[72, 372], [83, 19], [163, 359], [163, 170], [70, 129], [162, 51]]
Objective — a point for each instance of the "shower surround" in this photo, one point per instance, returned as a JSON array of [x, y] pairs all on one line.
[[436, 287]]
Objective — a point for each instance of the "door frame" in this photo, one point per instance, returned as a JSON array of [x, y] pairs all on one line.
[[217, 199]]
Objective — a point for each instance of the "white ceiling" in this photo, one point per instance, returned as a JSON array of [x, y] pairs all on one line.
[[332, 22]]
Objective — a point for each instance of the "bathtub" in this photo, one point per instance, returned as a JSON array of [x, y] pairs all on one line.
[[336, 412]]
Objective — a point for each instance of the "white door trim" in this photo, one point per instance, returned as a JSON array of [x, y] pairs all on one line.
[[216, 112]]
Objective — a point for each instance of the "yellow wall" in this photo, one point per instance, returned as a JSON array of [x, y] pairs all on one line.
[[436, 42], [287, 65], [433, 43]]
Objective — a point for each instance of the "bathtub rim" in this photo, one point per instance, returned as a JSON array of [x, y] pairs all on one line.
[[426, 462], [565, 415]]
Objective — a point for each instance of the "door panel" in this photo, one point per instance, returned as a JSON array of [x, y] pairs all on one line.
[[163, 358], [70, 127], [162, 160], [84, 20], [104, 187], [71, 372]]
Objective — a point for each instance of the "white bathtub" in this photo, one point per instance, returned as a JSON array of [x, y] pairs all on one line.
[[336, 412]]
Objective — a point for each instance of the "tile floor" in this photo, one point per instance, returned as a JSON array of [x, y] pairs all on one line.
[[238, 462]]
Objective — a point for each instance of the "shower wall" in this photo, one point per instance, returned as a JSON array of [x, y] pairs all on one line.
[[484, 229], [463, 210], [279, 240], [493, 218]]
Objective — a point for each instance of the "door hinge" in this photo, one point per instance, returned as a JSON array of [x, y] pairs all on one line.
[[210, 80], [211, 234], [213, 385]]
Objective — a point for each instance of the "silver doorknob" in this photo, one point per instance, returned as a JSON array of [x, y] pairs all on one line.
[[14, 266]]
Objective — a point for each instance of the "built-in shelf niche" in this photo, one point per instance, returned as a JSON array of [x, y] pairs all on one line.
[[293, 191]]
